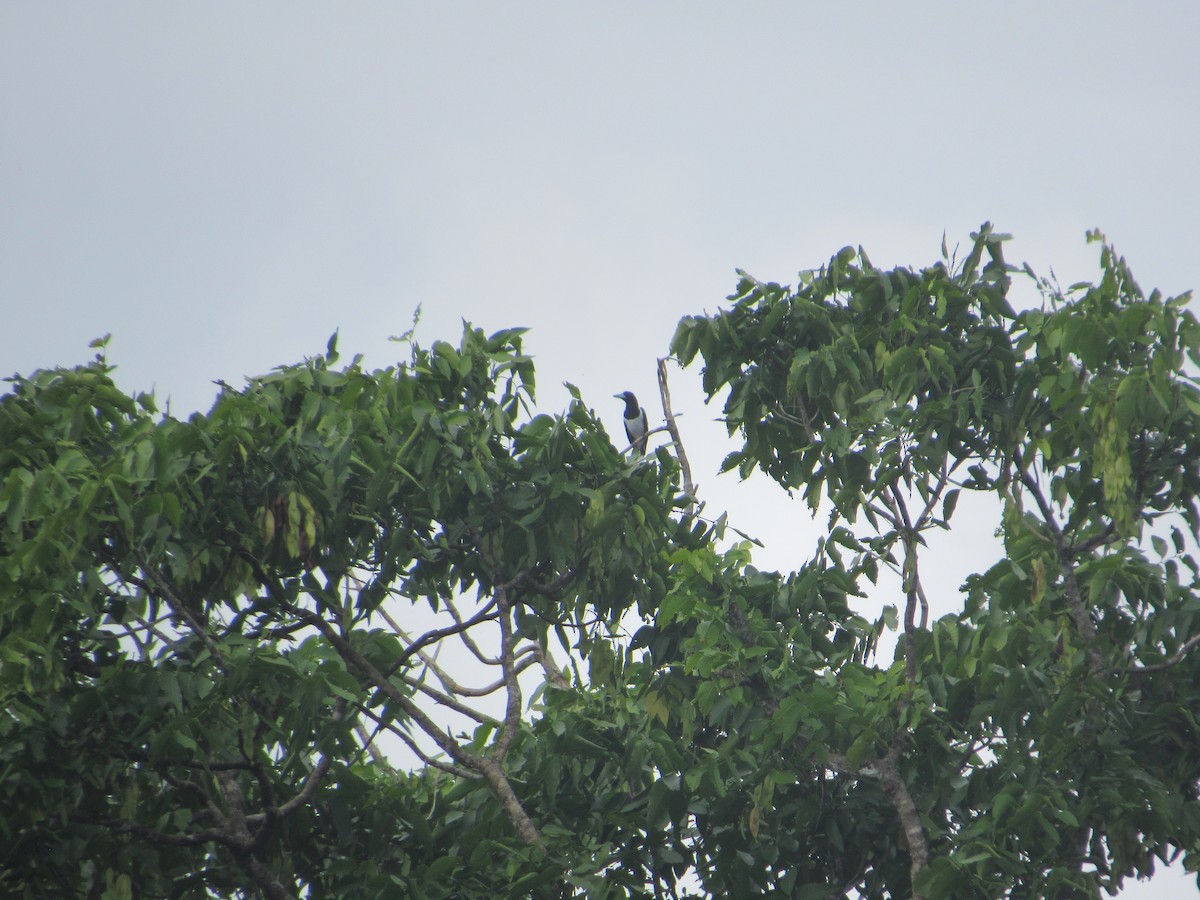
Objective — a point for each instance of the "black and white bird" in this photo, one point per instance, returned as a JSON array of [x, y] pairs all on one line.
[[636, 423]]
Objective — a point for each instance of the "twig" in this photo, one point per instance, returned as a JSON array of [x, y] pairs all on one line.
[[637, 444], [446, 699], [910, 581], [468, 641], [302, 796], [126, 826]]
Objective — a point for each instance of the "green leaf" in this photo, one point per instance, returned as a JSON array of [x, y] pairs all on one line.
[[949, 501]]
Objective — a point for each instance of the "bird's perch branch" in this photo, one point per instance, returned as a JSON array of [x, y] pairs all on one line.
[[680, 453]]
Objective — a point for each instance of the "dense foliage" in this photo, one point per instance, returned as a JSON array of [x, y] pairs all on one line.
[[390, 633]]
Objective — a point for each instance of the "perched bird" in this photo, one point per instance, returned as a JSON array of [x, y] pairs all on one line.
[[636, 423]]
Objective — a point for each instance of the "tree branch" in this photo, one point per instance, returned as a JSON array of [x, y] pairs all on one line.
[[910, 820], [301, 797], [665, 392], [157, 584], [451, 768], [368, 742], [1173, 660], [911, 584], [1066, 558], [488, 767], [888, 774], [512, 711], [452, 686], [494, 774], [553, 672], [430, 637]]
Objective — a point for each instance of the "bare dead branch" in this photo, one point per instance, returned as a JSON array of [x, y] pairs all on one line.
[[685, 467]]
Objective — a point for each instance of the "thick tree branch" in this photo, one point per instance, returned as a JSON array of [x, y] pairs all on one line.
[[494, 773], [512, 711], [887, 772], [271, 887], [910, 820]]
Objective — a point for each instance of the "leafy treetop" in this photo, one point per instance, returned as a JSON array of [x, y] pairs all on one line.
[[357, 633]]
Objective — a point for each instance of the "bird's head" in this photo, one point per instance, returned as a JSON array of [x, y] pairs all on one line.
[[631, 403]]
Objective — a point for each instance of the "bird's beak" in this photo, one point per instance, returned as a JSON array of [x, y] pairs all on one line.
[[619, 396]]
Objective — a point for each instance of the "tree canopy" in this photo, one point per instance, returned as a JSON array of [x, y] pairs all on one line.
[[395, 633]]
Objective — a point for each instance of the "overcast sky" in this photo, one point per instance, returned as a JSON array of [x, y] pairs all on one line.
[[223, 185]]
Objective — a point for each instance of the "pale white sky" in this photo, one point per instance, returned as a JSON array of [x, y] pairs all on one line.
[[222, 185]]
